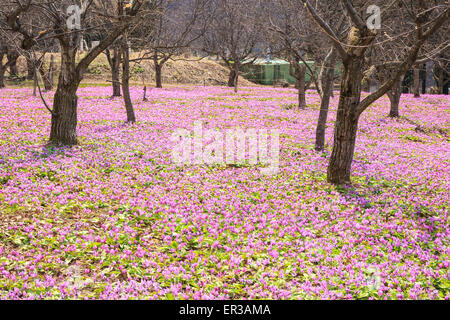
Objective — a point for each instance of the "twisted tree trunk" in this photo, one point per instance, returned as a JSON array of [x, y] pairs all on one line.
[[346, 123], [347, 118]]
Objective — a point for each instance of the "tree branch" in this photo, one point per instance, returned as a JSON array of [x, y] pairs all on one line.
[[405, 65], [327, 30]]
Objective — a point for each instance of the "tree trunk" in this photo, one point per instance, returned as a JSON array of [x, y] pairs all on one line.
[[51, 71], [346, 126], [341, 159], [144, 98], [298, 72], [131, 117], [3, 52], [13, 71], [47, 77], [416, 88], [35, 82], [430, 83], [64, 121], [327, 88], [300, 84], [231, 78], [332, 89], [12, 59], [394, 95], [30, 69], [158, 75], [64, 116], [441, 81], [2, 76], [115, 71], [114, 64]]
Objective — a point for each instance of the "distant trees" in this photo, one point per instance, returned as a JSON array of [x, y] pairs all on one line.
[[112, 9], [384, 57], [294, 35], [173, 28], [235, 33], [290, 37]]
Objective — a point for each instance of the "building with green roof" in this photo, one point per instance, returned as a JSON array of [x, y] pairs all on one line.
[[270, 72]]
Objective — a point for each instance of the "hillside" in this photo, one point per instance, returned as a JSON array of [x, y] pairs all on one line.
[[180, 71]]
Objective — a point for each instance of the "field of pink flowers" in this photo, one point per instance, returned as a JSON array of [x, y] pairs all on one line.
[[114, 218]]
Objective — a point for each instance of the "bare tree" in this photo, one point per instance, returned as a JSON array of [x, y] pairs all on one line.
[[234, 33], [66, 23], [385, 57], [118, 53], [175, 26], [293, 35], [113, 52], [290, 38], [353, 52]]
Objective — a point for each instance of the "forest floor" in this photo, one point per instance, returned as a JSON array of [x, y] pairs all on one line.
[[116, 218]]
